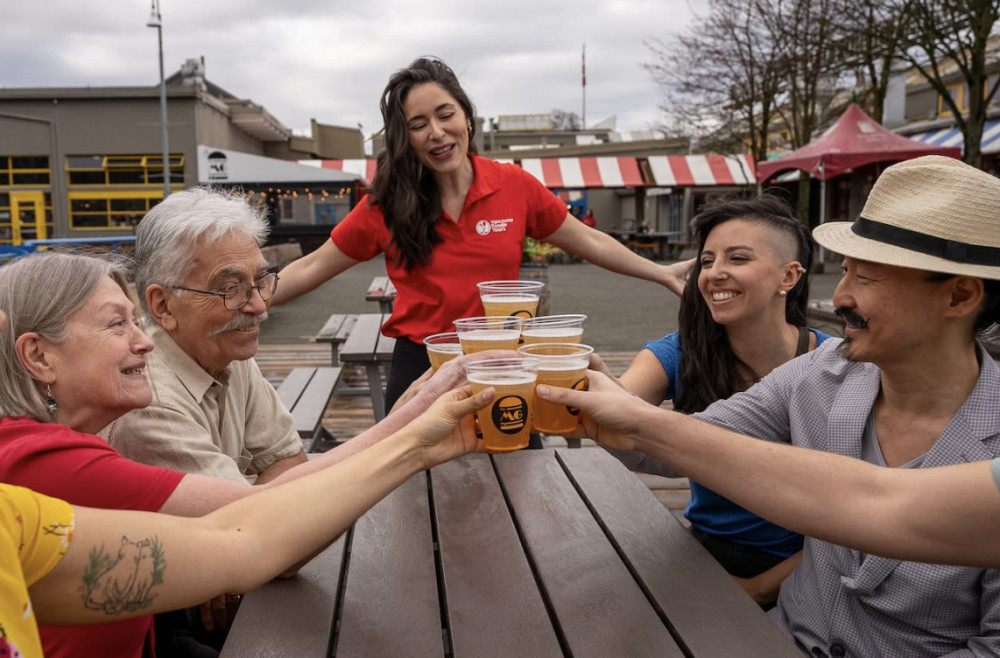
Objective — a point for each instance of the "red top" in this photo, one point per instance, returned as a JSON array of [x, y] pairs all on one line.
[[504, 204], [84, 470]]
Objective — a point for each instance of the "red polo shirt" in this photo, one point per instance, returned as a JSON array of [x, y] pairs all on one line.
[[504, 204]]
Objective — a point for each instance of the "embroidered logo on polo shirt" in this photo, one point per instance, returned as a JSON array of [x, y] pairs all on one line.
[[487, 226]]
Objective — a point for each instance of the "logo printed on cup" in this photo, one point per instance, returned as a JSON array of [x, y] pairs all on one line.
[[578, 385], [510, 413]]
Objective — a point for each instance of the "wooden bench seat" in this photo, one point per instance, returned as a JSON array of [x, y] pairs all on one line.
[[382, 290], [306, 393], [335, 332], [368, 347]]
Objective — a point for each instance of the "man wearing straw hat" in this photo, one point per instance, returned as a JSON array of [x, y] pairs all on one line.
[[908, 387]]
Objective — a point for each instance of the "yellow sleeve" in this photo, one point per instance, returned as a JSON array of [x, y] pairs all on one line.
[[35, 532]]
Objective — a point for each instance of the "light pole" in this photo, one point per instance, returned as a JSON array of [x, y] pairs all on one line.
[[154, 21]]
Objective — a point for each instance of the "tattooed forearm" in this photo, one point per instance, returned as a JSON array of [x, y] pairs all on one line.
[[124, 582]]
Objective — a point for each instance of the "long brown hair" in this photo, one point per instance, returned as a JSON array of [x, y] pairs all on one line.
[[407, 194], [709, 369]]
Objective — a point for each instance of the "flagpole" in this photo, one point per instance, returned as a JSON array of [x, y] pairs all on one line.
[[583, 77]]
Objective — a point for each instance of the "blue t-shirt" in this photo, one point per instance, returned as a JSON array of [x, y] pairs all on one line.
[[707, 510]]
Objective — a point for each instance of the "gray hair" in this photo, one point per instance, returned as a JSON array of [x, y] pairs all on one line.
[[39, 294], [167, 234]]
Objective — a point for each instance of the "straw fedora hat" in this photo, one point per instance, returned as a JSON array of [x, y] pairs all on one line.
[[931, 213]]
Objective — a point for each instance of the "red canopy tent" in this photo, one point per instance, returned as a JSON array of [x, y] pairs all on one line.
[[855, 140]]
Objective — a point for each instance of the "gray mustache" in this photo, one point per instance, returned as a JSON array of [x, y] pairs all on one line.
[[241, 322]]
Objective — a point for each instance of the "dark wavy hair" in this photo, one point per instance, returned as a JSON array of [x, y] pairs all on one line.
[[709, 369], [407, 194]]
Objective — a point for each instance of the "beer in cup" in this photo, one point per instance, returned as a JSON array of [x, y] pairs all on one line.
[[553, 329], [563, 365], [488, 333], [442, 348], [516, 298], [506, 422]]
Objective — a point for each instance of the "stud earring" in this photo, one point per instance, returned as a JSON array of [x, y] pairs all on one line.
[[782, 293], [51, 404]]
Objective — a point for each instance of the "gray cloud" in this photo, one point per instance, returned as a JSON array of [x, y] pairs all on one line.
[[305, 59]]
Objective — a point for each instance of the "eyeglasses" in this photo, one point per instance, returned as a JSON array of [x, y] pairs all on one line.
[[237, 296]]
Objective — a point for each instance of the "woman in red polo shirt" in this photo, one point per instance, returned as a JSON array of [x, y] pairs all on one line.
[[447, 219]]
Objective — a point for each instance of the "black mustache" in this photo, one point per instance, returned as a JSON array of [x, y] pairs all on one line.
[[852, 318]]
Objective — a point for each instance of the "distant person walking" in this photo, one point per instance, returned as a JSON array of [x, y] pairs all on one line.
[[589, 219]]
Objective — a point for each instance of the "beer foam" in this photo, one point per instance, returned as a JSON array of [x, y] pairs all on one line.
[[562, 365], [508, 297], [552, 332], [490, 334], [502, 378]]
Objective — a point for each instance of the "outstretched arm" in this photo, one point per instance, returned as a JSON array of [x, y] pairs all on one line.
[[124, 564], [309, 272], [949, 514], [601, 249]]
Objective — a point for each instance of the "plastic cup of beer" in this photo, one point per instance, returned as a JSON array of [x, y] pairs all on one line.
[[562, 365], [506, 422], [553, 329], [488, 333], [517, 298], [442, 348]]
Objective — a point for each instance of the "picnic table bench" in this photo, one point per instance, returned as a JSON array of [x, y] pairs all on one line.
[[335, 332], [535, 553], [306, 393], [382, 290], [366, 346]]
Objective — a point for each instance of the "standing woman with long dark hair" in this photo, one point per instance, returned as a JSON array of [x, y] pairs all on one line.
[[447, 219], [743, 313]]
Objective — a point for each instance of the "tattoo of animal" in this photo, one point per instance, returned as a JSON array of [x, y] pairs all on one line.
[[123, 582]]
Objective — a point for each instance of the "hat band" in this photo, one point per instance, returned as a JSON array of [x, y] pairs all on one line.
[[959, 252]]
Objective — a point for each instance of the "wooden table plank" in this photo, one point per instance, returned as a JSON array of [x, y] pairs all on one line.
[[290, 617], [391, 605], [707, 609], [293, 386], [481, 553], [314, 400], [360, 345], [600, 608]]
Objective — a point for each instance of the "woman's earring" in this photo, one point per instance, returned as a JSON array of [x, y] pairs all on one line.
[[51, 404], [782, 293]]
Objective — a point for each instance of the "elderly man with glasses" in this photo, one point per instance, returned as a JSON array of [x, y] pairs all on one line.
[[205, 288], [204, 285]]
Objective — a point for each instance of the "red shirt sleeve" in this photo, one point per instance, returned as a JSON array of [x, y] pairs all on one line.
[[361, 235], [82, 469], [546, 211]]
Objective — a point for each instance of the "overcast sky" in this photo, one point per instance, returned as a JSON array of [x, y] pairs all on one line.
[[326, 60]]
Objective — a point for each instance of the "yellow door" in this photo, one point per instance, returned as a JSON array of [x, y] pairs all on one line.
[[27, 217]]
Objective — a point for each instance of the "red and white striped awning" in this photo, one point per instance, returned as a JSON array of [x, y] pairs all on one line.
[[585, 172], [702, 170], [363, 168]]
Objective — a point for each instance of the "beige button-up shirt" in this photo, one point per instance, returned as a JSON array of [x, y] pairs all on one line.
[[233, 427]]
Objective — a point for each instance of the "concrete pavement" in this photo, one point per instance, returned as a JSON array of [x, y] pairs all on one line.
[[623, 313]]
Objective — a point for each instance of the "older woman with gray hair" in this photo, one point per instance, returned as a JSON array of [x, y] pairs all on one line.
[[72, 360]]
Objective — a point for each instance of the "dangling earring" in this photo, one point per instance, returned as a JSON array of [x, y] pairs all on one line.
[[782, 293], [51, 404]]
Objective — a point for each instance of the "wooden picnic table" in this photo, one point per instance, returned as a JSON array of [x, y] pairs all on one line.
[[662, 245], [534, 553], [382, 290], [368, 347]]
